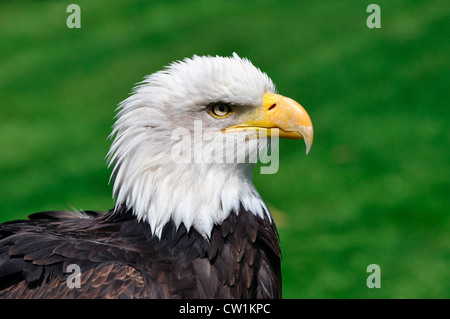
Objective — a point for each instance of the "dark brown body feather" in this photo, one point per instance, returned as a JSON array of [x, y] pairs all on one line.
[[119, 258]]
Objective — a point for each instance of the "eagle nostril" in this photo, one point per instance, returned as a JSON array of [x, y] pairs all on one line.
[[272, 106]]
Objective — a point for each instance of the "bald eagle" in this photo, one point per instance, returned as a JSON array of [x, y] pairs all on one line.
[[191, 228]]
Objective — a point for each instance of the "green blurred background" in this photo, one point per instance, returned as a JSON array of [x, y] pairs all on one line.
[[376, 185]]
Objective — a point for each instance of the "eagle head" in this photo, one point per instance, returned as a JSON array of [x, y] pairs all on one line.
[[186, 141]]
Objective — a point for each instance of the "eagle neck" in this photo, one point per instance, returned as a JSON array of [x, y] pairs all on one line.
[[195, 195]]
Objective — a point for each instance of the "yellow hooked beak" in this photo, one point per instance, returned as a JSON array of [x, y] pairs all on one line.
[[281, 113]]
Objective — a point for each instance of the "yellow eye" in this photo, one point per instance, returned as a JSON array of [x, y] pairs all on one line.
[[220, 110]]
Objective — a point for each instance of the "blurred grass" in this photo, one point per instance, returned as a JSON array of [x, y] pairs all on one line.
[[375, 187]]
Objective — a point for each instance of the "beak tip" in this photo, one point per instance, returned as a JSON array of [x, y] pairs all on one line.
[[308, 147], [308, 138]]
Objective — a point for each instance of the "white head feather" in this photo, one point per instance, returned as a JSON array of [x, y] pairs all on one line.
[[148, 181]]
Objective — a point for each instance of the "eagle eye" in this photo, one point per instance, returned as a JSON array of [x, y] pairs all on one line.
[[220, 110]]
